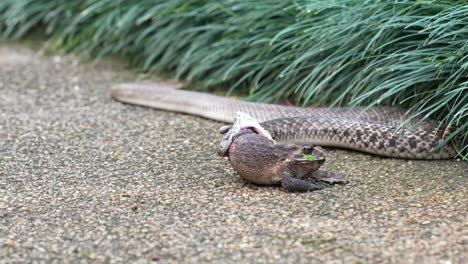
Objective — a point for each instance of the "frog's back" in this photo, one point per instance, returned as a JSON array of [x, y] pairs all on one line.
[[256, 159]]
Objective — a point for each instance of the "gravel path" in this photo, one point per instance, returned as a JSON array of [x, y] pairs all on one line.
[[86, 179]]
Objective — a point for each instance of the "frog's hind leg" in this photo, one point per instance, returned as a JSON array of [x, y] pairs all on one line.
[[298, 185], [328, 176]]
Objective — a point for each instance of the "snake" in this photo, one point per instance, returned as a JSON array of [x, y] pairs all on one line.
[[378, 130]]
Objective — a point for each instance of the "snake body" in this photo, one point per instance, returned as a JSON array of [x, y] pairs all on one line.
[[375, 130]]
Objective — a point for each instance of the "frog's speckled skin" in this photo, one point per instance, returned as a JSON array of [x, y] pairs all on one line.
[[259, 160]]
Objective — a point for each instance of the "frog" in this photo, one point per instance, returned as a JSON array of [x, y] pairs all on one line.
[[259, 159]]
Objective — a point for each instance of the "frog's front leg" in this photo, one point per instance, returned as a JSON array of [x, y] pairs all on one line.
[[297, 185], [328, 176]]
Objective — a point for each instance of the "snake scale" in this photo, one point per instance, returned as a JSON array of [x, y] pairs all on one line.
[[373, 130]]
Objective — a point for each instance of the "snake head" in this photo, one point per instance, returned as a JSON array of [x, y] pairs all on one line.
[[241, 122]]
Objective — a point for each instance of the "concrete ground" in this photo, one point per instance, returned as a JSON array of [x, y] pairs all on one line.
[[85, 179]]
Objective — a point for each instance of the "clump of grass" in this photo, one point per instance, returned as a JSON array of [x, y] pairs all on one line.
[[406, 53]]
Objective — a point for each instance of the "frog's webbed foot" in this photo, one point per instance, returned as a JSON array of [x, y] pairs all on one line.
[[328, 176], [298, 185]]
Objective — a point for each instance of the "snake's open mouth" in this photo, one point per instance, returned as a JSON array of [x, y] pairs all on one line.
[[242, 121], [256, 130]]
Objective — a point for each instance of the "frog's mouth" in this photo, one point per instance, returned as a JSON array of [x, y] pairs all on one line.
[[316, 160], [313, 155]]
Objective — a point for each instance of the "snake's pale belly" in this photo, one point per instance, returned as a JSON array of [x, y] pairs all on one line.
[[376, 130]]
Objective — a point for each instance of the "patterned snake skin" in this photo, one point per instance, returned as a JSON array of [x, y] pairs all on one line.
[[374, 130]]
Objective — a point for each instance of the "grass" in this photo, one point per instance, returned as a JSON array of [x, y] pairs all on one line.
[[349, 52]]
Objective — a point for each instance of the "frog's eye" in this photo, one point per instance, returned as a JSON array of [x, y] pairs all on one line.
[[307, 149]]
